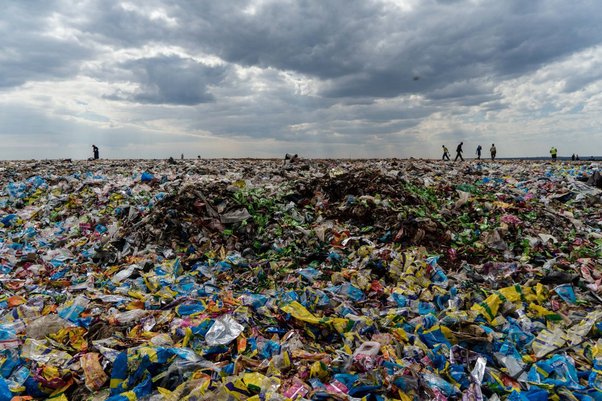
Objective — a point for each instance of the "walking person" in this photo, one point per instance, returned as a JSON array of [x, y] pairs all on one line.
[[479, 152], [95, 151], [493, 151], [445, 153], [459, 152]]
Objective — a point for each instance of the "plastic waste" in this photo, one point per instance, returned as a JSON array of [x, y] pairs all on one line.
[[223, 331], [364, 357], [45, 325], [94, 374], [236, 279]]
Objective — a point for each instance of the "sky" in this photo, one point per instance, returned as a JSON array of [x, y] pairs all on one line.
[[320, 78]]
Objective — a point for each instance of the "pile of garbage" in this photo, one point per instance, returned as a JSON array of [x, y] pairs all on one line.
[[318, 280]]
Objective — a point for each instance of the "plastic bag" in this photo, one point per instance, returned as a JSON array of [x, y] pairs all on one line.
[[224, 330]]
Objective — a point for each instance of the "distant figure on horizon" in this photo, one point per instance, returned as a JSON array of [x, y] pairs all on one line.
[[577, 157], [493, 151], [554, 153], [459, 152], [445, 153], [95, 152], [573, 157], [182, 156], [479, 152], [288, 158]]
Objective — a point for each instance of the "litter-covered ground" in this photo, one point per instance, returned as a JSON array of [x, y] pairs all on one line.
[[318, 280]]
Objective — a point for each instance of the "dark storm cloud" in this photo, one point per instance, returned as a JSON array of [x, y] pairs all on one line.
[[445, 44], [121, 25], [356, 48], [317, 38], [170, 80], [362, 48], [30, 50]]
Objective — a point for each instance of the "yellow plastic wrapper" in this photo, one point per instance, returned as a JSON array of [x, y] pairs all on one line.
[[249, 384], [514, 293], [72, 336], [499, 321], [61, 397], [318, 369], [137, 294], [593, 351], [405, 397], [151, 281], [189, 390], [576, 333], [489, 307], [40, 352], [547, 341], [540, 311], [341, 325], [299, 312], [50, 373]]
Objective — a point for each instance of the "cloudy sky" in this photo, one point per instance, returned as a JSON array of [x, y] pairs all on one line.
[[322, 78]]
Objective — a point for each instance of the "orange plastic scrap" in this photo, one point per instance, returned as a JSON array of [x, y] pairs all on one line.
[[94, 375], [15, 300], [231, 301], [310, 356], [241, 343], [60, 283]]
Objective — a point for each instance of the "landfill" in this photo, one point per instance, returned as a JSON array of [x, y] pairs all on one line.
[[253, 279]]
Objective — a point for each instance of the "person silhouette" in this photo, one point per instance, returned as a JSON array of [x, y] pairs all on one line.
[[445, 153], [459, 152]]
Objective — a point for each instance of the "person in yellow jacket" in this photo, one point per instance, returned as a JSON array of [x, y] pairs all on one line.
[[553, 153], [445, 153]]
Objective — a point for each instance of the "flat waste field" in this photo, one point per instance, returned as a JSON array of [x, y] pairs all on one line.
[[254, 279]]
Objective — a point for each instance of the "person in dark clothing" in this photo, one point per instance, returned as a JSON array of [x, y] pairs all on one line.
[[459, 152], [95, 151], [493, 151], [445, 153], [479, 152]]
